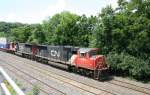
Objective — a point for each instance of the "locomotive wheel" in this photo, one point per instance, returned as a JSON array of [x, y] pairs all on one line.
[[88, 73], [22, 55], [70, 68], [74, 69], [82, 72]]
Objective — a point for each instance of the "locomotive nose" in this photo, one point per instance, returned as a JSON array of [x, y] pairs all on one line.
[[101, 62]]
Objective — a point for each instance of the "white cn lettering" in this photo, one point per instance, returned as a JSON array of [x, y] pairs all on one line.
[[55, 53]]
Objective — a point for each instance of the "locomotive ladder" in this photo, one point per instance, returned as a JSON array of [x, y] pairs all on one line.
[[96, 74], [3, 87]]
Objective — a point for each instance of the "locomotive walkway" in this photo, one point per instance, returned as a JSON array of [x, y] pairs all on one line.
[[52, 81]]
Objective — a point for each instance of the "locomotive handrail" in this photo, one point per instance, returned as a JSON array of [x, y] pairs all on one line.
[[11, 82]]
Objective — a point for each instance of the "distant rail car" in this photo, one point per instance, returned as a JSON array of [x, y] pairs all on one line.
[[7, 46], [83, 60]]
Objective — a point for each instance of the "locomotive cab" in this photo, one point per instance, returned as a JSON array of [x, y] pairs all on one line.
[[86, 58]]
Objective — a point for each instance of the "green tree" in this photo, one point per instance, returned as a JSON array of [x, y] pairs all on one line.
[[21, 34], [102, 36], [60, 29], [38, 35]]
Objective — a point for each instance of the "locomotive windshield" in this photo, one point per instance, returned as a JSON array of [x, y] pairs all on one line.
[[93, 53]]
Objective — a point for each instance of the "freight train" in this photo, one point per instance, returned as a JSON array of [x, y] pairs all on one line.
[[76, 59]]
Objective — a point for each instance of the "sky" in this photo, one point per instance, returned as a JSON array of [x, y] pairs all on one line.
[[35, 11]]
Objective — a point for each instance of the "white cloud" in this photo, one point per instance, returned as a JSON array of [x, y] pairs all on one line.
[[113, 3], [32, 17], [56, 8], [59, 6], [13, 17]]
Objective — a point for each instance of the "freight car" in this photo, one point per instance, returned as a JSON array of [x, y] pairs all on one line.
[[83, 60], [7, 46]]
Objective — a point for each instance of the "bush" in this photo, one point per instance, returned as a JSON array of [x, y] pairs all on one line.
[[126, 65], [10, 88], [35, 90]]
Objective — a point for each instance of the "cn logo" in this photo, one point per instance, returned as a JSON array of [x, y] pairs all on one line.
[[55, 53]]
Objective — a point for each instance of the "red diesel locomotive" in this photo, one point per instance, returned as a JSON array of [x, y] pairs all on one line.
[[89, 61]]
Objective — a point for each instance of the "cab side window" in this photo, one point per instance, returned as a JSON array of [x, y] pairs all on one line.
[[82, 55]]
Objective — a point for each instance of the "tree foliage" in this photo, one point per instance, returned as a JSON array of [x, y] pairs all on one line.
[[123, 29], [126, 65], [61, 29]]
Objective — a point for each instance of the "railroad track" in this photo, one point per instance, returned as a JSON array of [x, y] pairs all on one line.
[[114, 81], [88, 88], [131, 86], [15, 70], [144, 90], [84, 87], [13, 73]]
